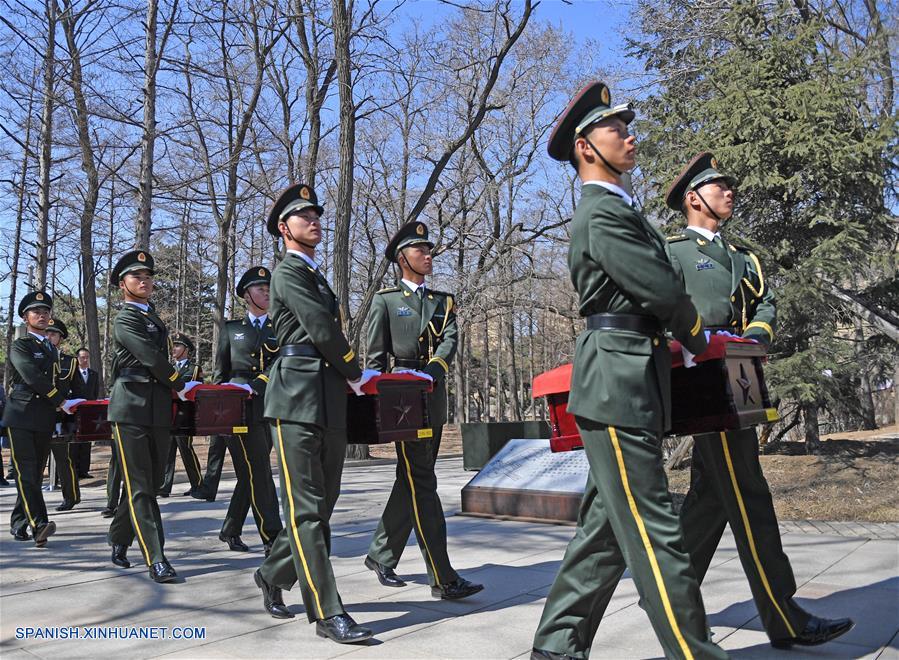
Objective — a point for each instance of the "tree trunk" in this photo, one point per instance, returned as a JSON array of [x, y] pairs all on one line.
[[343, 208], [92, 192], [148, 137], [46, 138], [810, 426]]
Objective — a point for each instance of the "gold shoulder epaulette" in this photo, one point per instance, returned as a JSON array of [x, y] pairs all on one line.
[[389, 289], [677, 238]]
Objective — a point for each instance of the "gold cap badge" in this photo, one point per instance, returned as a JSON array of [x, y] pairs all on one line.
[[420, 230], [141, 257], [39, 296], [51, 322], [262, 272], [304, 192], [605, 97], [714, 163]]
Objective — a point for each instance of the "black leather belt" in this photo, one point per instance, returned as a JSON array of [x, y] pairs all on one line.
[[409, 363], [645, 325], [300, 350], [135, 371]]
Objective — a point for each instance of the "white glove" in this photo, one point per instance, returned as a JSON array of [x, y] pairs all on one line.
[[68, 404], [367, 375], [688, 356], [58, 428], [727, 334], [243, 386], [420, 374], [187, 388]]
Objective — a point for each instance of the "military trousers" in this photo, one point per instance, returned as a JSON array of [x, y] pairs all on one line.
[[28, 452], [81, 455], [255, 489], [66, 472], [727, 487], [414, 505], [185, 445], [626, 520], [113, 480], [311, 461], [215, 460], [142, 452]]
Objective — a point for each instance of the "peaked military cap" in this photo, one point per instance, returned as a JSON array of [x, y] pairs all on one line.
[[35, 299], [181, 338], [411, 233], [297, 197], [699, 171], [591, 104], [56, 325], [254, 275], [131, 261]]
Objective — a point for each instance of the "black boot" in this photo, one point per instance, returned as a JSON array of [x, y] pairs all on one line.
[[816, 631], [460, 588], [66, 506], [342, 629], [43, 532], [119, 555], [108, 512], [271, 598], [162, 572], [234, 543], [21, 534], [386, 575]]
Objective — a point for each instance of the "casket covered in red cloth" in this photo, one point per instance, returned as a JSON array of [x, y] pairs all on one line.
[[725, 390], [211, 410], [393, 409], [88, 422]]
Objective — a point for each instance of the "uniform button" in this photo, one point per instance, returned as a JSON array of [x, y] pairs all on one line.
[[336, 320], [734, 323], [655, 341], [421, 339], [327, 364], [255, 368]]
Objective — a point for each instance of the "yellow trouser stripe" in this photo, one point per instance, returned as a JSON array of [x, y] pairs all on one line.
[[12, 455], [253, 491], [140, 537], [654, 564], [749, 537], [421, 532], [193, 453], [76, 492], [293, 522]]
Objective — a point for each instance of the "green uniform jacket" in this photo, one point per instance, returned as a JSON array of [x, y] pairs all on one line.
[[141, 340], [402, 325], [245, 355], [190, 371], [727, 285], [304, 310], [64, 374], [35, 393], [618, 264]]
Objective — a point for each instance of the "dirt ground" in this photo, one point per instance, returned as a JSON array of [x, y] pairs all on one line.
[[854, 478]]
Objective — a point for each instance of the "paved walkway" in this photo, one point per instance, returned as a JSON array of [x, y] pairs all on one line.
[[842, 570]]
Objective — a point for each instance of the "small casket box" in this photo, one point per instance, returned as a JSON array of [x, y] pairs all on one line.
[[211, 410], [393, 409]]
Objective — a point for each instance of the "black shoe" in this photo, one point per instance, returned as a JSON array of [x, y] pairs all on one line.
[[187, 492], [540, 654], [342, 629], [386, 575], [108, 513], [816, 631], [43, 532], [4, 483], [200, 494], [21, 534], [460, 588], [162, 572], [234, 543], [66, 506], [162, 493], [271, 598], [85, 475], [119, 557], [267, 547]]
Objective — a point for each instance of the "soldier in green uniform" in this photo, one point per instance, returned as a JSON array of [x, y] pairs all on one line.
[[305, 405], [733, 295], [246, 350], [182, 352], [62, 453], [113, 484], [140, 410], [30, 417], [417, 326], [621, 399]]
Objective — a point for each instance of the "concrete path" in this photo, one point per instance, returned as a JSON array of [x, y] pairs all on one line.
[[846, 570]]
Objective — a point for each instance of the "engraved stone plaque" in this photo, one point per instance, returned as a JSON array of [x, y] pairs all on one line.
[[527, 480]]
